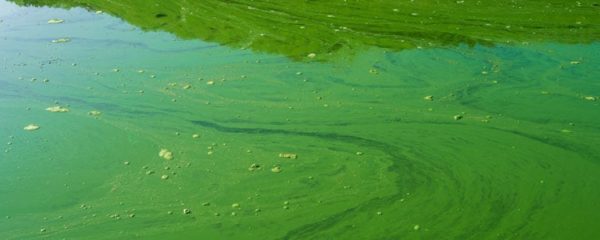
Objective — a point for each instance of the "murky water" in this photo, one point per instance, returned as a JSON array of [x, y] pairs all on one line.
[[285, 123]]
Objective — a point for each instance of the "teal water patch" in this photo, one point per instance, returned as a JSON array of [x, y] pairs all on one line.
[[440, 143]]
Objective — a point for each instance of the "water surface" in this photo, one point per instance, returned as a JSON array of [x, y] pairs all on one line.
[[404, 127]]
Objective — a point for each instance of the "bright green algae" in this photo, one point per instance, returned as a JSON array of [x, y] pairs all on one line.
[[375, 159], [296, 28]]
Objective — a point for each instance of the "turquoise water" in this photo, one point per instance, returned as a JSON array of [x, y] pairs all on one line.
[[455, 142]]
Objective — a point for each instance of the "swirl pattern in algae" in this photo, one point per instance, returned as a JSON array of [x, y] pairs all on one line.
[[379, 152]]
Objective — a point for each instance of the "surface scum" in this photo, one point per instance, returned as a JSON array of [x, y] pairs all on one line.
[[299, 120]]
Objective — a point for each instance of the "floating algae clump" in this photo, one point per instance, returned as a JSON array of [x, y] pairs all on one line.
[[61, 40], [288, 155], [55, 21], [254, 167], [166, 154], [94, 113], [31, 127], [276, 169], [57, 109]]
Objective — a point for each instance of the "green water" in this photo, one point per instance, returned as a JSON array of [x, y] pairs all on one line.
[[506, 147]]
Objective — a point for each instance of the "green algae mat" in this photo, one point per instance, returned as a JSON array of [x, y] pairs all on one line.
[[299, 119]]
